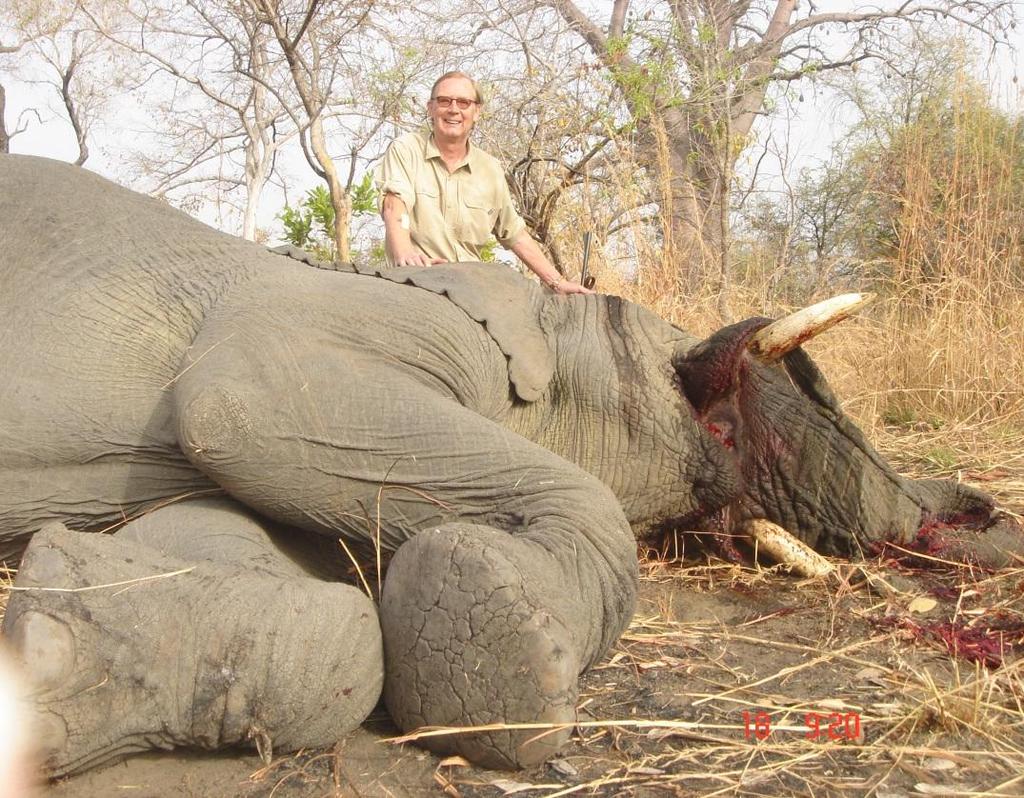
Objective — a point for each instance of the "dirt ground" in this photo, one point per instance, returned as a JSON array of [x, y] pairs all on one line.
[[851, 684]]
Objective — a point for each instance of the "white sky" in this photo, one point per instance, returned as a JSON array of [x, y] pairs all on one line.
[[805, 136]]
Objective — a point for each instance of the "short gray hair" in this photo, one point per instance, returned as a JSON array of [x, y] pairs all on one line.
[[457, 74]]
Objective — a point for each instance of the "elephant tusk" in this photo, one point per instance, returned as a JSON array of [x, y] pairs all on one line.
[[772, 342], [782, 547]]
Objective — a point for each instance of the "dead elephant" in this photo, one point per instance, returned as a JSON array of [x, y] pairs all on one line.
[[505, 444]]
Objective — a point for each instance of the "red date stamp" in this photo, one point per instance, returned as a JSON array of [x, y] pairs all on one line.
[[834, 726]]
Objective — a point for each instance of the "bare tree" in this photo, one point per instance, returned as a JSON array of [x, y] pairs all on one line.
[[17, 20], [222, 126], [311, 34], [564, 165], [5, 135], [695, 74], [241, 80], [69, 55], [77, 64]]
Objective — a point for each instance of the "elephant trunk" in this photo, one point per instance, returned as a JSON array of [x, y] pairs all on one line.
[[960, 525]]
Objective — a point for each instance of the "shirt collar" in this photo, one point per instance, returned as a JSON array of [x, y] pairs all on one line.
[[472, 158]]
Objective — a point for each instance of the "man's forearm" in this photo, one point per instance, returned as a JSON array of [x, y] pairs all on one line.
[[530, 253], [397, 238], [396, 234]]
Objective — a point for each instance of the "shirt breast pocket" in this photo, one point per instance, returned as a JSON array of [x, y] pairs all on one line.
[[480, 215], [426, 188]]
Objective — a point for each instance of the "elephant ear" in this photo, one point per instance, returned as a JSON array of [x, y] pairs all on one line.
[[806, 376], [495, 296], [505, 304], [710, 370], [302, 256]]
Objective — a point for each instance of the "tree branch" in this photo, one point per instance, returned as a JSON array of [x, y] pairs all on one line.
[[618, 20]]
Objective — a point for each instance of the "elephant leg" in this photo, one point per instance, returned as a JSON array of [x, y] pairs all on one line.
[[128, 650], [223, 531], [520, 568]]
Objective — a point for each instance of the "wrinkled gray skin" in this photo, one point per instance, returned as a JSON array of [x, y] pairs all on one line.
[[505, 443]]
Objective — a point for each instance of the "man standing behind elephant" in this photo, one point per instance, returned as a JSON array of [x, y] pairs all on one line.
[[443, 197]]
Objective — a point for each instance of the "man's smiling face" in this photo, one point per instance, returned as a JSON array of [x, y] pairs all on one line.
[[453, 123]]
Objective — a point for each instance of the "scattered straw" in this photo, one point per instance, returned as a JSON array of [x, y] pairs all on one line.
[[140, 580]]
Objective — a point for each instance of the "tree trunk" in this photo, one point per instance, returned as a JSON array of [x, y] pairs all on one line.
[[304, 79], [691, 196], [689, 142], [339, 197], [5, 138], [255, 178], [260, 147]]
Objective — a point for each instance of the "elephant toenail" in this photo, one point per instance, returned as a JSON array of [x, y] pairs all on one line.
[[50, 734], [43, 566], [46, 646]]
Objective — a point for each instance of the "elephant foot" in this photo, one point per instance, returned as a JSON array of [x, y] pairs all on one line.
[[472, 637], [127, 650]]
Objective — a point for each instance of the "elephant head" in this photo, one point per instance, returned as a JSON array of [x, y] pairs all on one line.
[[711, 434], [802, 463]]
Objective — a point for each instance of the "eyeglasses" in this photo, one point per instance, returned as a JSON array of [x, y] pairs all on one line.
[[446, 102]]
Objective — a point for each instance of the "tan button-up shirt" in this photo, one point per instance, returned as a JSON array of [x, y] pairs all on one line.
[[452, 215]]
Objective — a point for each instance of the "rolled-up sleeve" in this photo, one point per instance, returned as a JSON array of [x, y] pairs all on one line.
[[397, 172]]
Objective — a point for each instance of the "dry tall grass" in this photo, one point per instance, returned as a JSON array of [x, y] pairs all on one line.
[[955, 292]]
